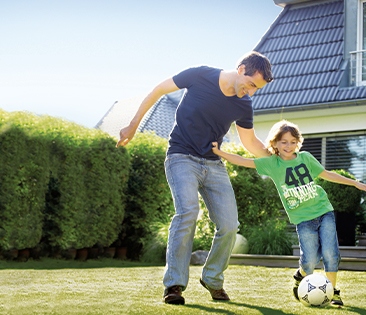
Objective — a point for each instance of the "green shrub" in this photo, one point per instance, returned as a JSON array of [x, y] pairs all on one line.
[[149, 200], [106, 179], [205, 230], [344, 198], [270, 238], [23, 180], [59, 181], [256, 197], [154, 250], [65, 215], [88, 180], [361, 217]]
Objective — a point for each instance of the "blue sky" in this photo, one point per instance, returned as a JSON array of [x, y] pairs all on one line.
[[74, 58]]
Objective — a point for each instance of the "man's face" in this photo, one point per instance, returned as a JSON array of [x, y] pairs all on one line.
[[248, 84]]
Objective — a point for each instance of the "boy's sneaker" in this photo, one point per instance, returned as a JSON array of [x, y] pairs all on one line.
[[336, 300], [298, 277]]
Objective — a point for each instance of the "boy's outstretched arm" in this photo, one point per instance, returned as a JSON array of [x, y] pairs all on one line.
[[233, 158], [336, 178]]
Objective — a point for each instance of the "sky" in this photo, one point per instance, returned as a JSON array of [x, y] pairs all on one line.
[[73, 59]]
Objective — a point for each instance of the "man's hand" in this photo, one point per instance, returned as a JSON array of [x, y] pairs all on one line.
[[126, 134]]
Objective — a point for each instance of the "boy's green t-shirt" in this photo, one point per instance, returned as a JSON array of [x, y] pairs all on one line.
[[302, 198]]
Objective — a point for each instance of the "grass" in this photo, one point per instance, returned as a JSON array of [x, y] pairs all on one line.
[[109, 286]]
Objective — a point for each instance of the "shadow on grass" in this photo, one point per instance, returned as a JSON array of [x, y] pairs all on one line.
[[263, 310], [356, 310], [52, 263]]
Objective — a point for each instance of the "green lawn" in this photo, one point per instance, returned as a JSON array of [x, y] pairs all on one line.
[[109, 286]]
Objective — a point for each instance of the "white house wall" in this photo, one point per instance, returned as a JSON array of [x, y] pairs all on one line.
[[319, 121]]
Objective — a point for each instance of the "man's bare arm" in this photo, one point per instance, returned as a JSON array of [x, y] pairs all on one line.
[[251, 142], [127, 133]]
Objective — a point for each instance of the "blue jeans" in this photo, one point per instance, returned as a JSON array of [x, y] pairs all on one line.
[[187, 175], [318, 238]]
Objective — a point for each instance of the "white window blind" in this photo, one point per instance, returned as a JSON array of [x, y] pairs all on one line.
[[346, 152]]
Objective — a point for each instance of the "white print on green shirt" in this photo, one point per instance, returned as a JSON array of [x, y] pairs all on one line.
[[297, 195]]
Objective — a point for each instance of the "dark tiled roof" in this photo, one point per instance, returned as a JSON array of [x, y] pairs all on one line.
[[161, 116], [351, 93], [305, 46]]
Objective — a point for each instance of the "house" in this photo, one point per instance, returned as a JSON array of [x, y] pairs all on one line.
[[159, 119], [317, 50], [318, 53]]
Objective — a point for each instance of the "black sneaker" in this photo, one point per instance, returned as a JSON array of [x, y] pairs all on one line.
[[336, 300], [173, 295], [298, 277]]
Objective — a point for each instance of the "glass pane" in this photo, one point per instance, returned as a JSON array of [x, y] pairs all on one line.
[[364, 26], [364, 42], [341, 152], [314, 146], [348, 153], [363, 66]]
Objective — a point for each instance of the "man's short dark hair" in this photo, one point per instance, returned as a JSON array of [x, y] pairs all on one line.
[[255, 62]]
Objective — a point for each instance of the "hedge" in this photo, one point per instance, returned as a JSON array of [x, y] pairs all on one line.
[[344, 198], [66, 186], [23, 181], [61, 184], [149, 202], [90, 182], [256, 197]]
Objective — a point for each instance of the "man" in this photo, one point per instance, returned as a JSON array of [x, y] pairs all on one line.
[[214, 98]]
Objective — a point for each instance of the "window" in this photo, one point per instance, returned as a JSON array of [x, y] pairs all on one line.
[[340, 151], [358, 57]]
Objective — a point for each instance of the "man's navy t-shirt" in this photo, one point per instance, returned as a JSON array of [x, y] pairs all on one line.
[[205, 114]]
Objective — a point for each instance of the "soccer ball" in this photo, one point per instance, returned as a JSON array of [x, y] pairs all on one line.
[[315, 290], [241, 245]]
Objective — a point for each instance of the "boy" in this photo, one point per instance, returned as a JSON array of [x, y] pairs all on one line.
[[306, 204]]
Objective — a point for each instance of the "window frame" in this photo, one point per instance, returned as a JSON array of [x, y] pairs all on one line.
[[325, 136], [358, 55]]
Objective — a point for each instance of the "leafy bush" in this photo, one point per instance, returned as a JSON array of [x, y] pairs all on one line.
[[361, 217], [256, 197], [23, 181], [154, 250], [106, 182], [149, 200], [344, 198], [88, 184], [59, 181], [270, 238], [205, 230]]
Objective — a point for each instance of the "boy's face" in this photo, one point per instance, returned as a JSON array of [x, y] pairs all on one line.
[[287, 146], [246, 84]]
